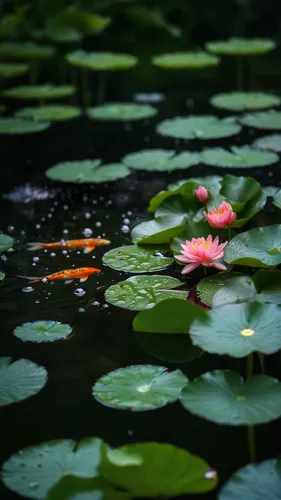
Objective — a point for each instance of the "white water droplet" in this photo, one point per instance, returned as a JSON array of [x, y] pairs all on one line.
[[28, 289], [125, 229], [79, 292], [52, 254], [87, 232], [98, 224], [35, 259]]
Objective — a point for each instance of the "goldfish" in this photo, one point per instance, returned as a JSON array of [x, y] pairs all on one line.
[[68, 275], [88, 244]]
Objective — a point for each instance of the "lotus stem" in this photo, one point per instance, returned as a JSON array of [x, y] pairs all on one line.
[[251, 428], [34, 72], [74, 81], [101, 88], [229, 233], [261, 358], [86, 89], [239, 73], [250, 365], [62, 69], [252, 74]]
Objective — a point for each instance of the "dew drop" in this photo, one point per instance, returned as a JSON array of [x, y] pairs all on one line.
[[210, 474], [34, 486]]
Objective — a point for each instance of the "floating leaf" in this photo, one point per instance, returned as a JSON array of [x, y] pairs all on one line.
[[10, 70], [267, 120], [165, 471], [209, 181], [20, 380], [143, 292], [72, 24], [241, 101], [49, 113], [221, 396], [2, 276], [6, 242], [40, 92], [270, 142], [159, 230], [178, 206], [238, 329], [87, 171], [25, 50], [198, 127], [42, 331], [185, 60], [270, 191], [185, 191], [254, 482], [277, 199], [101, 61], [268, 285], [238, 289], [121, 111], [160, 160], [139, 387], [173, 316], [241, 46], [45, 464], [136, 259], [210, 285], [77, 488], [168, 348], [12, 126], [258, 247], [238, 157]]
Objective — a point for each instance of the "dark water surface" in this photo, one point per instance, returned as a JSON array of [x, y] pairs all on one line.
[[103, 339]]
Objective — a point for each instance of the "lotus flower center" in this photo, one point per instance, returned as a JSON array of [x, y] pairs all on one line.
[[219, 211], [206, 245], [241, 398], [247, 332], [143, 388]]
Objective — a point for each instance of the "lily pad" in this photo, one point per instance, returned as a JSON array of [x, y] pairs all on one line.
[[185, 191], [210, 285], [241, 46], [258, 247], [185, 60], [165, 470], [122, 111], [239, 329], [6, 242], [77, 488], [2, 276], [25, 50], [10, 70], [168, 348], [241, 101], [40, 92], [159, 230], [266, 120], [50, 113], [268, 285], [238, 157], [139, 387], [209, 181], [277, 199], [11, 126], [198, 127], [87, 171], [254, 482], [101, 61], [223, 397], [20, 380], [143, 292], [160, 160], [136, 259], [172, 316], [271, 142], [45, 464], [42, 331], [270, 191]]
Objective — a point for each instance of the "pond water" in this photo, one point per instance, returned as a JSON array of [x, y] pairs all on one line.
[[102, 339]]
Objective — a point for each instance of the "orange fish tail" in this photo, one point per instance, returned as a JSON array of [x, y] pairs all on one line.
[[35, 246], [32, 279]]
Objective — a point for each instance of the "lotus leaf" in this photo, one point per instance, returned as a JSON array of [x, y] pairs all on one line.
[[210, 285], [168, 348], [40, 92], [25, 50], [160, 160], [6, 242], [2, 276], [49, 113], [136, 259], [87, 171], [266, 120], [277, 199], [159, 230], [122, 111], [101, 61], [42, 331], [11, 126], [198, 127], [185, 60], [241, 46], [77, 488], [241, 101], [10, 70], [212, 182], [238, 157], [270, 142]]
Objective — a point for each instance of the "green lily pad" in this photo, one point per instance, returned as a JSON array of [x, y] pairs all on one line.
[[159, 230], [40, 92], [42, 331], [50, 113], [172, 316], [258, 247], [45, 464], [185, 191], [268, 285], [77, 488], [165, 470], [71, 24], [87, 171], [143, 292], [198, 127], [6, 242], [11, 126], [209, 182], [266, 120], [241, 101], [139, 387], [254, 482], [168, 348], [241, 46], [270, 191], [2, 276], [185, 60], [160, 160], [221, 396], [210, 285], [101, 61], [10, 70], [271, 142], [136, 259], [239, 329], [178, 206], [122, 111], [25, 50], [20, 380], [277, 199], [238, 157]]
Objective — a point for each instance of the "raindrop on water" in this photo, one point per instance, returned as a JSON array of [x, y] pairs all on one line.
[[125, 229], [52, 254], [98, 224], [79, 292], [27, 289], [87, 232], [35, 259]]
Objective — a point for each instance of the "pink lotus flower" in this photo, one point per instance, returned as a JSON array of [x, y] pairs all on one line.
[[202, 194], [222, 216], [200, 251]]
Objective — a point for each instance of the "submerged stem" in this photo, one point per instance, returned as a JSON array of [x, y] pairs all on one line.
[[251, 428], [239, 73], [85, 88], [229, 233], [101, 88], [261, 358]]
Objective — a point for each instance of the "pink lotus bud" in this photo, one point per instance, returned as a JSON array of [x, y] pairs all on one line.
[[200, 251], [202, 194], [222, 216]]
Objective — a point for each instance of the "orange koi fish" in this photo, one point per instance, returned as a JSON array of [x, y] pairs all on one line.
[[88, 244], [68, 275]]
